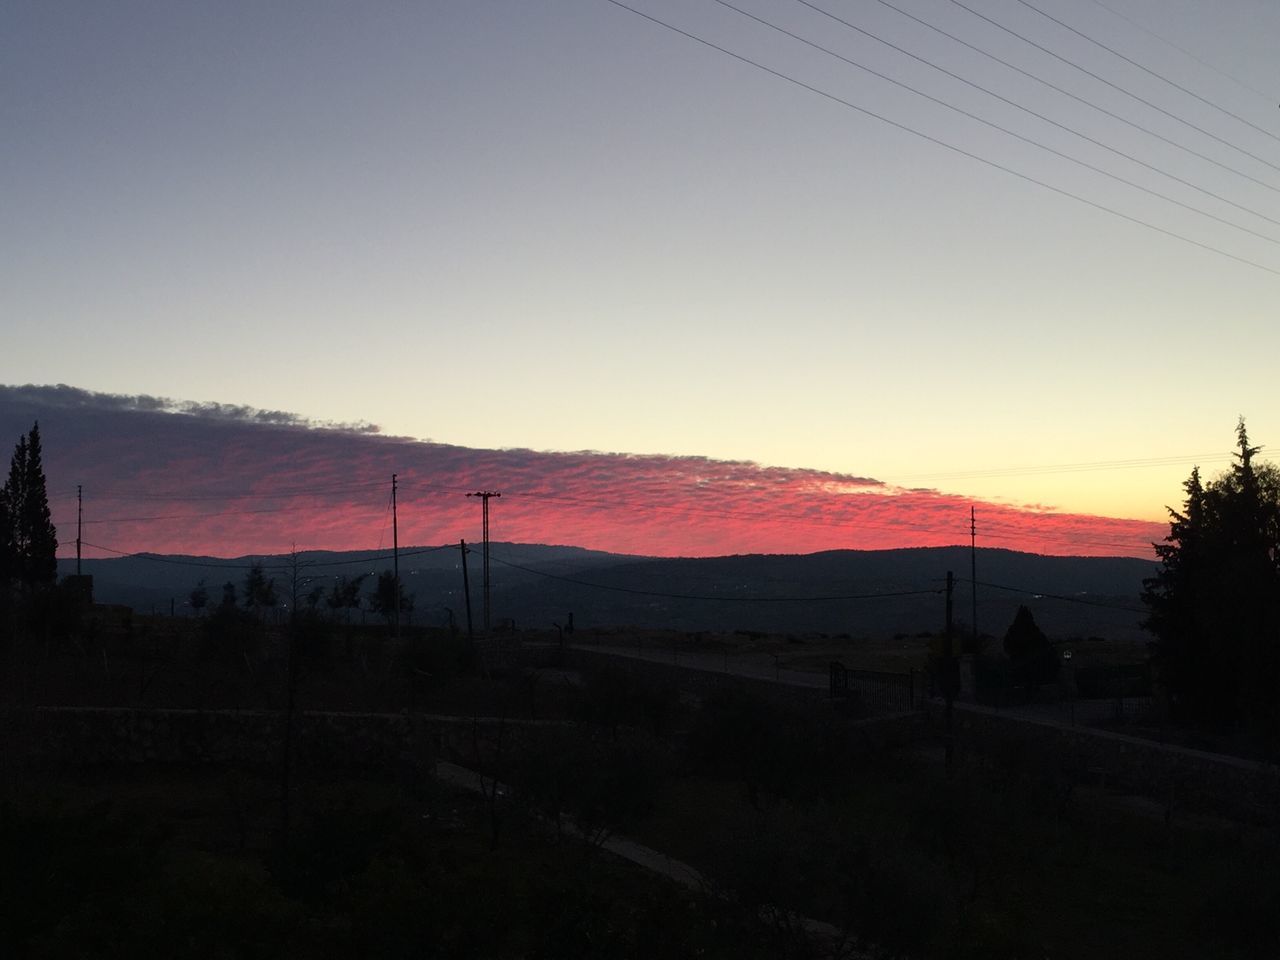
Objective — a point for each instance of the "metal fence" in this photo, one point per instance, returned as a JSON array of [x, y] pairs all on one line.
[[883, 692]]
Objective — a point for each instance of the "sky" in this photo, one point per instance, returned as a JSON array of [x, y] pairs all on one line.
[[168, 477], [566, 226]]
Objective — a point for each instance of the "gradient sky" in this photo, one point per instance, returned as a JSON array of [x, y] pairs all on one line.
[[558, 226]]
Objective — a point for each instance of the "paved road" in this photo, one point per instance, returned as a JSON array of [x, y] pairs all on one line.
[[637, 853], [753, 666], [763, 667], [650, 859]]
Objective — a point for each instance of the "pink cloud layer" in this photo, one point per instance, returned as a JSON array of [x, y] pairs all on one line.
[[229, 484]]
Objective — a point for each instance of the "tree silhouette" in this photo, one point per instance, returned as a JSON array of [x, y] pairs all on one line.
[[198, 598], [345, 594], [28, 538], [8, 555], [1214, 605], [383, 599], [1031, 656], [259, 590]]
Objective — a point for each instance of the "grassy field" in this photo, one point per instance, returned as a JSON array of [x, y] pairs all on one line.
[[787, 808]]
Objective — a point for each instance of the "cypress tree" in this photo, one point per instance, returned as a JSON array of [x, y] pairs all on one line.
[[1214, 605], [8, 560], [29, 540]]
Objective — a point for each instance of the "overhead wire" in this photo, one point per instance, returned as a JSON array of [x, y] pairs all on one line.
[[857, 523], [237, 495], [386, 516], [836, 517], [1030, 112], [1056, 596], [1114, 86], [1079, 99], [716, 599], [994, 530], [1081, 467], [1184, 51], [1145, 69], [213, 563], [943, 143], [1005, 130], [185, 516]]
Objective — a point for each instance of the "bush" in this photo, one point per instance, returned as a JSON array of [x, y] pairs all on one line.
[[94, 883], [615, 699], [785, 864], [444, 656], [605, 785], [231, 635], [775, 751]]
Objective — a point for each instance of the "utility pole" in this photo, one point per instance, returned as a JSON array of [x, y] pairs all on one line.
[[466, 590], [79, 523], [952, 675], [291, 697], [973, 574], [395, 554], [484, 496]]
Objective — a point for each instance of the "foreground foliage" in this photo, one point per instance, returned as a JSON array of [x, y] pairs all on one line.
[[1215, 603], [179, 864]]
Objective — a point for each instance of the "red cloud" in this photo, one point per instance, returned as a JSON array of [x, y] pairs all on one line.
[[229, 481]]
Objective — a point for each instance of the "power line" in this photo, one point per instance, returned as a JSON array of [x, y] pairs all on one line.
[[384, 556], [1136, 462], [1184, 51], [1079, 542], [1147, 70], [943, 143], [256, 494], [716, 599], [1115, 86], [1079, 99], [702, 511], [1118, 541], [1057, 596], [172, 561], [194, 516], [485, 496], [881, 595], [860, 523], [1027, 110], [1005, 130], [214, 564], [1121, 542]]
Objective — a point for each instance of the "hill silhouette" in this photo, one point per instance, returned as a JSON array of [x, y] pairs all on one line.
[[860, 593]]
